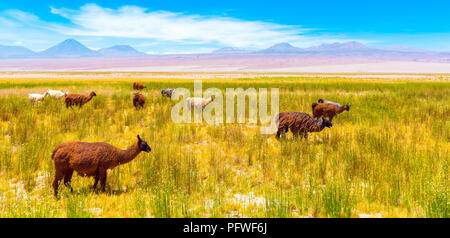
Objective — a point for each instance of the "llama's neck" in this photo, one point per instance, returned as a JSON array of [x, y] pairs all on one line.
[[208, 101], [90, 97], [340, 109], [129, 154], [318, 126]]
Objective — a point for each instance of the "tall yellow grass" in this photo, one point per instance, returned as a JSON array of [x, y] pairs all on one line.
[[386, 157]]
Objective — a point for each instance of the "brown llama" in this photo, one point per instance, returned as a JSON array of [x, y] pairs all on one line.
[[138, 100], [78, 99], [299, 123], [138, 86], [91, 159], [328, 110]]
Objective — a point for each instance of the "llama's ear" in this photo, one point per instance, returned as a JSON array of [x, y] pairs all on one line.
[[139, 138]]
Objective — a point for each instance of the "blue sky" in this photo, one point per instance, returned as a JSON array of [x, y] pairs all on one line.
[[200, 26]]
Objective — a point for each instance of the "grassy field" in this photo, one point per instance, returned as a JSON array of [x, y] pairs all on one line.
[[387, 157]]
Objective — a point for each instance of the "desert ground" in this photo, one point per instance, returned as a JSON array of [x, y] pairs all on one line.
[[387, 156]]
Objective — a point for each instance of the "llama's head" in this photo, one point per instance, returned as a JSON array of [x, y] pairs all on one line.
[[326, 123], [346, 107], [93, 93], [320, 100], [143, 146], [66, 92]]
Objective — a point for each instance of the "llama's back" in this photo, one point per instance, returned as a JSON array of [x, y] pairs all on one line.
[[196, 100], [296, 121], [324, 109], [291, 117], [167, 91], [138, 86], [55, 93], [34, 97], [72, 97], [84, 157]]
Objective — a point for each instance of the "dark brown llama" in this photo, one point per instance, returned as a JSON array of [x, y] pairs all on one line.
[[91, 159], [138, 100], [299, 123]]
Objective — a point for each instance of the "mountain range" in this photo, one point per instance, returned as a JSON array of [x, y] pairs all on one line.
[[14, 52], [71, 48], [283, 57]]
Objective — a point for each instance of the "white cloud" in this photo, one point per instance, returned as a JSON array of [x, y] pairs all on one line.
[[136, 22], [162, 32]]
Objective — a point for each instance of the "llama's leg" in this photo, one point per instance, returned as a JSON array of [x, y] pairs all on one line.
[[294, 132], [305, 135], [102, 175], [68, 178], [96, 180], [331, 118], [278, 133], [56, 180]]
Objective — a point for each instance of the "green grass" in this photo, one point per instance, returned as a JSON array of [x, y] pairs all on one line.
[[388, 155]]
